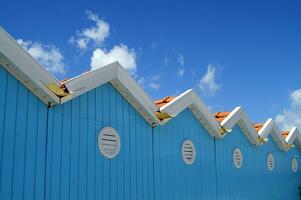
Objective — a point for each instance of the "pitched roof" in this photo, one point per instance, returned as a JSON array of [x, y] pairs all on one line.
[[51, 91]]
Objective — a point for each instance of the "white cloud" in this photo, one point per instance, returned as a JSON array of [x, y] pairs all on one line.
[[181, 59], [96, 34], [141, 81], [291, 116], [121, 53], [154, 86], [208, 83], [181, 70], [47, 55], [155, 77]]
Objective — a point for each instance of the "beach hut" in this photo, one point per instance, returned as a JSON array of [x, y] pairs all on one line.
[[100, 136]]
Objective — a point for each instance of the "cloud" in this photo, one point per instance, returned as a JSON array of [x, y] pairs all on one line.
[[121, 53], [154, 86], [96, 34], [155, 77], [47, 55], [208, 83], [181, 59], [181, 70], [291, 117]]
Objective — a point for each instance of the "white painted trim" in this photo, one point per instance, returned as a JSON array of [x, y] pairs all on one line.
[[122, 81], [189, 99], [294, 137], [239, 117], [271, 128], [28, 71], [35, 77]]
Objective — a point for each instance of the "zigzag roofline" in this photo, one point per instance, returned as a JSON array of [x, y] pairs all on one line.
[[46, 87]]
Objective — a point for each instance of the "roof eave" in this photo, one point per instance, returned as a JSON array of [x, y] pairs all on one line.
[[122, 81], [189, 99]]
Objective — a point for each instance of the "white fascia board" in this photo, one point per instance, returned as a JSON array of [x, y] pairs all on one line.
[[135, 95], [189, 99], [294, 137], [87, 81], [278, 138], [270, 127], [26, 69], [238, 116], [123, 82], [266, 129]]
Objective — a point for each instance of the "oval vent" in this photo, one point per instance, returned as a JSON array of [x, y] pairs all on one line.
[[188, 152], [294, 165], [270, 162], [109, 142], [237, 158]]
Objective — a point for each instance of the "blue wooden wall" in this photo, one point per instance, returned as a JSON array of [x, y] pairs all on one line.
[[253, 180], [75, 167], [52, 153], [23, 121], [176, 180]]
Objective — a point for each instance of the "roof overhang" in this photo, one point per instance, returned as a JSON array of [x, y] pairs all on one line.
[[189, 99], [239, 117], [122, 81], [28, 71]]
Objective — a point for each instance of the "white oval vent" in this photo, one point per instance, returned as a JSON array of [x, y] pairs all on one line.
[[108, 142], [237, 158], [188, 152], [270, 162], [294, 165]]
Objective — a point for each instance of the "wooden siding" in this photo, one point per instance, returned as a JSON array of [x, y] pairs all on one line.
[[253, 180], [174, 179], [23, 121], [52, 153], [75, 167]]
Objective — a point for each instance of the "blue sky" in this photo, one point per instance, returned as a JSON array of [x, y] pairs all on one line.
[[233, 53]]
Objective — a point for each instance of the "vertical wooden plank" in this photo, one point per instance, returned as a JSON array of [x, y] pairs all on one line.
[[40, 150], [83, 147], [92, 145], [120, 161], [151, 163], [30, 156], [75, 149], [21, 124], [8, 141], [58, 121], [3, 90], [113, 162], [49, 154], [106, 162], [66, 151], [139, 160], [144, 158], [126, 150], [98, 158], [133, 154]]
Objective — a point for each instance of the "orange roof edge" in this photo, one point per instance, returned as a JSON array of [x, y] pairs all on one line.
[[258, 126], [164, 101], [220, 116]]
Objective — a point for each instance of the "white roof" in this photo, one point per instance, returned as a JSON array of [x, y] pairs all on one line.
[[37, 79]]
